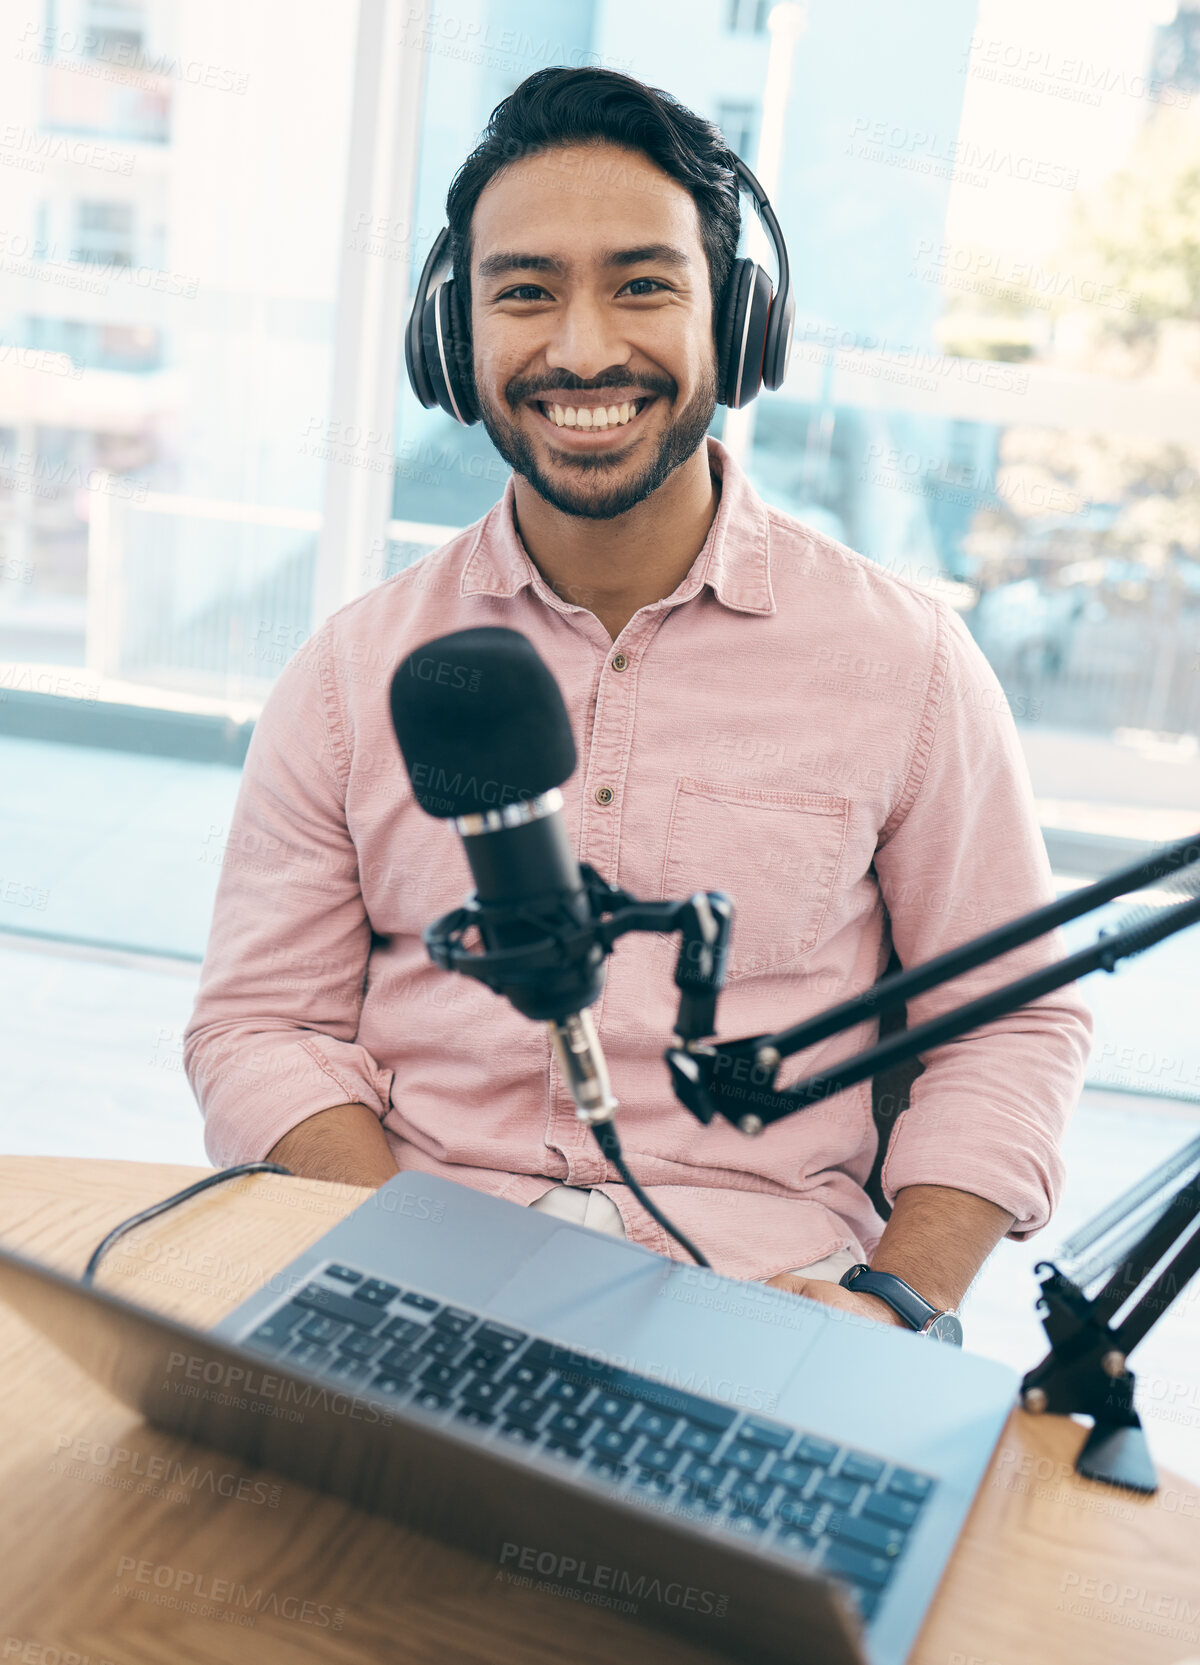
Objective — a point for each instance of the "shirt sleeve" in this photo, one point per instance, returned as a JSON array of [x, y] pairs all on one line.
[[271, 1039], [962, 853]]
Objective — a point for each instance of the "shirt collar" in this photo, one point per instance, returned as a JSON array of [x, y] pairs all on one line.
[[734, 562]]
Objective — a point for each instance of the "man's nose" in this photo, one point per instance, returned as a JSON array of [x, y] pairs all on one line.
[[586, 340]]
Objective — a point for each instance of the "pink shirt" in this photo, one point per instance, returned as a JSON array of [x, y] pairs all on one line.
[[794, 725]]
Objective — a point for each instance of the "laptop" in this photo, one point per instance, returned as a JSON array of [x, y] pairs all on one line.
[[773, 1478]]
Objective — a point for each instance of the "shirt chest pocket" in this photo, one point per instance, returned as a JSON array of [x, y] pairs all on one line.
[[775, 854]]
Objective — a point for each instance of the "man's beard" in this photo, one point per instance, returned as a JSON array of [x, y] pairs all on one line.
[[675, 445]]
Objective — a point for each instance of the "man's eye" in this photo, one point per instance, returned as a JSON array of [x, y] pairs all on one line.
[[655, 281], [523, 291]]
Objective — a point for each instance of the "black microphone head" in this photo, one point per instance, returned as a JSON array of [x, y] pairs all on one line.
[[480, 721]]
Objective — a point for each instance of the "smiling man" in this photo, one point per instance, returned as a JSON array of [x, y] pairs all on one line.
[[757, 709]]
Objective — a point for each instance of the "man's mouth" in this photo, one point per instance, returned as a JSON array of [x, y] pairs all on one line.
[[593, 421]]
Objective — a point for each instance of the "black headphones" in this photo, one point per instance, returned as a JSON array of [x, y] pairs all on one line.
[[753, 326]]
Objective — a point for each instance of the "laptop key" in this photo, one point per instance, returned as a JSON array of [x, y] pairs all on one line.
[[430, 1400], [404, 1329], [423, 1303], [344, 1274], [444, 1377], [610, 1379], [657, 1424], [787, 1472], [452, 1319], [661, 1459], [758, 1431], [791, 1512], [856, 1466], [614, 1442], [437, 1344], [311, 1354], [813, 1450], [700, 1473], [476, 1358], [561, 1446], [316, 1328], [749, 1458], [481, 1392], [350, 1369], [568, 1393], [345, 1308], [526, 1377], [701, 1441], [497, 1338], [613, 1408], [519, 1432], [866, 1534], [654, 1482], [402, 1361], [525, 1408], [904, 1484], [361, 1344], [476, 1415], [838, 1491], [376, 1292], [277, 1330], [745, 1525], [796, 1541], [567, 1425], [896, 1511], [874, 1570], [608, 1468], [751, 1497], [393, 1385]]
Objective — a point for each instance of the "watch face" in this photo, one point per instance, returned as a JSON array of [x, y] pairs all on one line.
[[946, 1327]]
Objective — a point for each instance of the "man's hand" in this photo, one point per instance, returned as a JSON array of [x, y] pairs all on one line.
[[833, 1295]]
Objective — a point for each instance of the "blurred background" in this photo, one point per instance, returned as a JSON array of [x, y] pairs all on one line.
[[211, 219]]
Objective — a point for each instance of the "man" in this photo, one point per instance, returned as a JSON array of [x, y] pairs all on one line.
[[757, 709]]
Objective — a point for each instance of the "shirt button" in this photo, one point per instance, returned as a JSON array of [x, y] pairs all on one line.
[[605, 794], [619, 662]]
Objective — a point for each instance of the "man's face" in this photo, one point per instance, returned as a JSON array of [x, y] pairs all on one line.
[[591, 312]]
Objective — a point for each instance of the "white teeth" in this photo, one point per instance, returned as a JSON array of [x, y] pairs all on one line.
[[599, 416]]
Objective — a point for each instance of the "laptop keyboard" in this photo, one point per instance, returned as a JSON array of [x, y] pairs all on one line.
[[832, 1507]]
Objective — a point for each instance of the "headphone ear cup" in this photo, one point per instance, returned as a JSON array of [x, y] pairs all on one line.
[[749, 339], [460, 355], [777, 349], [728, 327], [442, 351]]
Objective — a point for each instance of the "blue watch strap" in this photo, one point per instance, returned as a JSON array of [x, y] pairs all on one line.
[[904, 1301]]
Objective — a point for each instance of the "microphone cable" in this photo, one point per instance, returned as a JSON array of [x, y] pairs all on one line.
[[157, 1208], [610, 1144]]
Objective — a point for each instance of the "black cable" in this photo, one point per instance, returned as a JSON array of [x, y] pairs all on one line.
[[606, 1138], [169, 1202]]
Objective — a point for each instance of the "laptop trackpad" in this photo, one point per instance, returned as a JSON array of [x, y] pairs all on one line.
[[700, 1332]]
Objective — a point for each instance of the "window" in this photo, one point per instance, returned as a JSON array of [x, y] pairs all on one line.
[[747, 17], [739, 123], [104, 233]]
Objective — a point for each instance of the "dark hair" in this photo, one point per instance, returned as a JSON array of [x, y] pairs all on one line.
[[558, 107]]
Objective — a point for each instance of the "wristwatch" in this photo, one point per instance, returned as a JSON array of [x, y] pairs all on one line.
[[904, 1301]]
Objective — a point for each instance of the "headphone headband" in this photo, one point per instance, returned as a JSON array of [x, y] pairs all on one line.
[[753, 326]]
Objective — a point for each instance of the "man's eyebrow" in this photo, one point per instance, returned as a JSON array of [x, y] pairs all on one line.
[[510, 260]]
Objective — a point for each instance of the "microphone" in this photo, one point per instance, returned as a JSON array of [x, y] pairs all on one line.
[[487, 743]]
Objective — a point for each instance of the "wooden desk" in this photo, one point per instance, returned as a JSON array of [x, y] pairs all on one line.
[[110, 1528]]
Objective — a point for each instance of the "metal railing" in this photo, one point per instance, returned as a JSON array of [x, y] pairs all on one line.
[[209, 597]]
